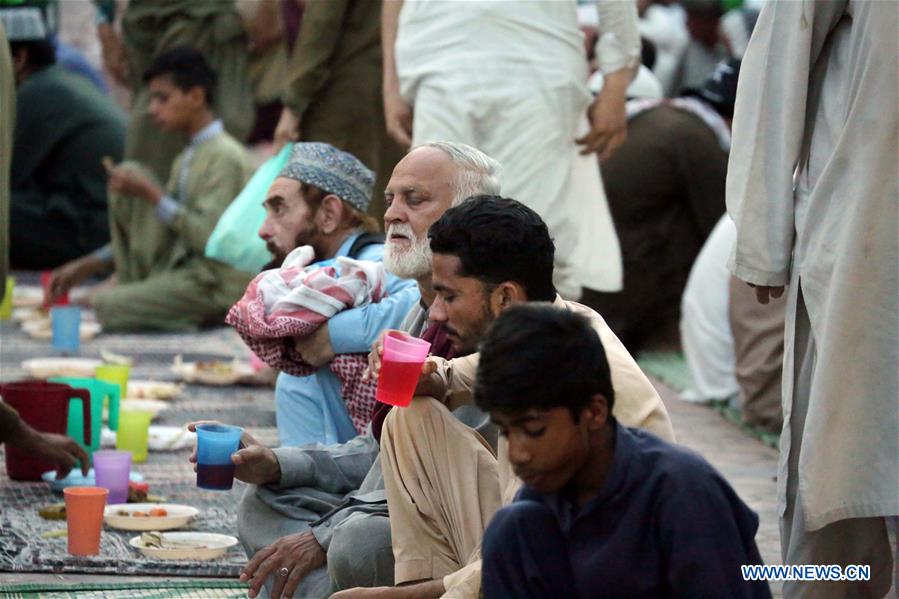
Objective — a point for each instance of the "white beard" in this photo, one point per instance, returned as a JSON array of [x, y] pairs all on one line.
[[411, 263]]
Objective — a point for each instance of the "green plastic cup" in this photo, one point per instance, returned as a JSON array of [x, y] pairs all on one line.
[[6, 304], [100, 391], [115, 373], [133, 433]]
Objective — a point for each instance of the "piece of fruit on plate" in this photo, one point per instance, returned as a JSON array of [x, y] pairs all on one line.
[[53, 511]]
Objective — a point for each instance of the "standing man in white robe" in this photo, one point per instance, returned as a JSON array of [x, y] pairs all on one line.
[[510, 78], [812, 187]]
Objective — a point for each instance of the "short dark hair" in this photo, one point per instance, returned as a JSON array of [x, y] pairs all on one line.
[[187, 68], [541, 357], [41, 53], [498, 239]]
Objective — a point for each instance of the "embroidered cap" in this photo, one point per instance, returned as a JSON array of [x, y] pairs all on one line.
[[331, 170], [23, 24]]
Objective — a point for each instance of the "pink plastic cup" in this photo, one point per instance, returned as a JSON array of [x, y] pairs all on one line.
[[400, 368]]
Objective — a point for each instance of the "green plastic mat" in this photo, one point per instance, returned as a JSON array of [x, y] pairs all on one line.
[[671, 369], [162, 589], [668, 367]]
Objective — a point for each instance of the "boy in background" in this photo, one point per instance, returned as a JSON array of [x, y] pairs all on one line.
[[163, 281]]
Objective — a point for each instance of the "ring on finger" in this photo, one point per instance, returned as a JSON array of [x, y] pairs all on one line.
[[283, 572]]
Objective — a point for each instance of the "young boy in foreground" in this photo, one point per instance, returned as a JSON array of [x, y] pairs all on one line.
[[606, 510]]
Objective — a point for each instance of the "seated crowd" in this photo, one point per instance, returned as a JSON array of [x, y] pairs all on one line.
[[405, 509], [536, 459]]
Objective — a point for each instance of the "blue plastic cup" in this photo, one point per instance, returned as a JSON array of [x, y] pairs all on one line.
[[66, 323], [215, 444]]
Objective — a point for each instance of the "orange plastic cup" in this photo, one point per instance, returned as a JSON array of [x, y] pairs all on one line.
[[84, 517]]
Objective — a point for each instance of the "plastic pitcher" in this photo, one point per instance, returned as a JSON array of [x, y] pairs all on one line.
[[44, 407], [100, 391]]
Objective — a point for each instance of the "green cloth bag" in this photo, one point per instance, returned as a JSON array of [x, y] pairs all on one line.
[[235, 239]]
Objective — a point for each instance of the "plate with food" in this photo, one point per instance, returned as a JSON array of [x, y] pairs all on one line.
[[170, 438], [154, 406], [43, 330], [153, 390], [42, 368], [148, 516], [76, 479], [159, 438], [27, 296], [213, 372], [183, 545], [26, 314]]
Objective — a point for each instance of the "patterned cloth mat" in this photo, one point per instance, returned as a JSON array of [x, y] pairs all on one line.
[[164, 589], [169, 474], [23, 549]]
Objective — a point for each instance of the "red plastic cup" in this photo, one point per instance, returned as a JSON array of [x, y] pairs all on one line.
[[84, 518], [400, 368], [45, 285]]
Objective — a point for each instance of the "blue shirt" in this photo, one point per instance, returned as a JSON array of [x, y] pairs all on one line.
[[664, 524], [306, 406]]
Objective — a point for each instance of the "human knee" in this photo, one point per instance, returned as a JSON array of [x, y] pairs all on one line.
[[422, 412], [360, 553]]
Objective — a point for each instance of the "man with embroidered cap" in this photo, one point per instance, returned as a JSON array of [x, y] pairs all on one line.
[[163, 281], [320, 199], [63, 128]]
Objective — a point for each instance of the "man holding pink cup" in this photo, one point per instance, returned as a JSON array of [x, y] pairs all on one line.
[[401, 366], [112, 471]]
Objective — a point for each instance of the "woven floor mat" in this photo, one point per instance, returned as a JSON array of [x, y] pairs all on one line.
[[164, 589], [23, 548], [170, 475]]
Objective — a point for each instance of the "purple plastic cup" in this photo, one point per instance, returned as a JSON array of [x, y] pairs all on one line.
[[112, 470]]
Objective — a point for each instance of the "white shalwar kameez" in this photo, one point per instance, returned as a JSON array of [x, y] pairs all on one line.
[[812, 187], [509, 78]]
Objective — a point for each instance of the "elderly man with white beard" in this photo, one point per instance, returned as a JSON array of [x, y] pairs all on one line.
[[320, 200], [315, 520]]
